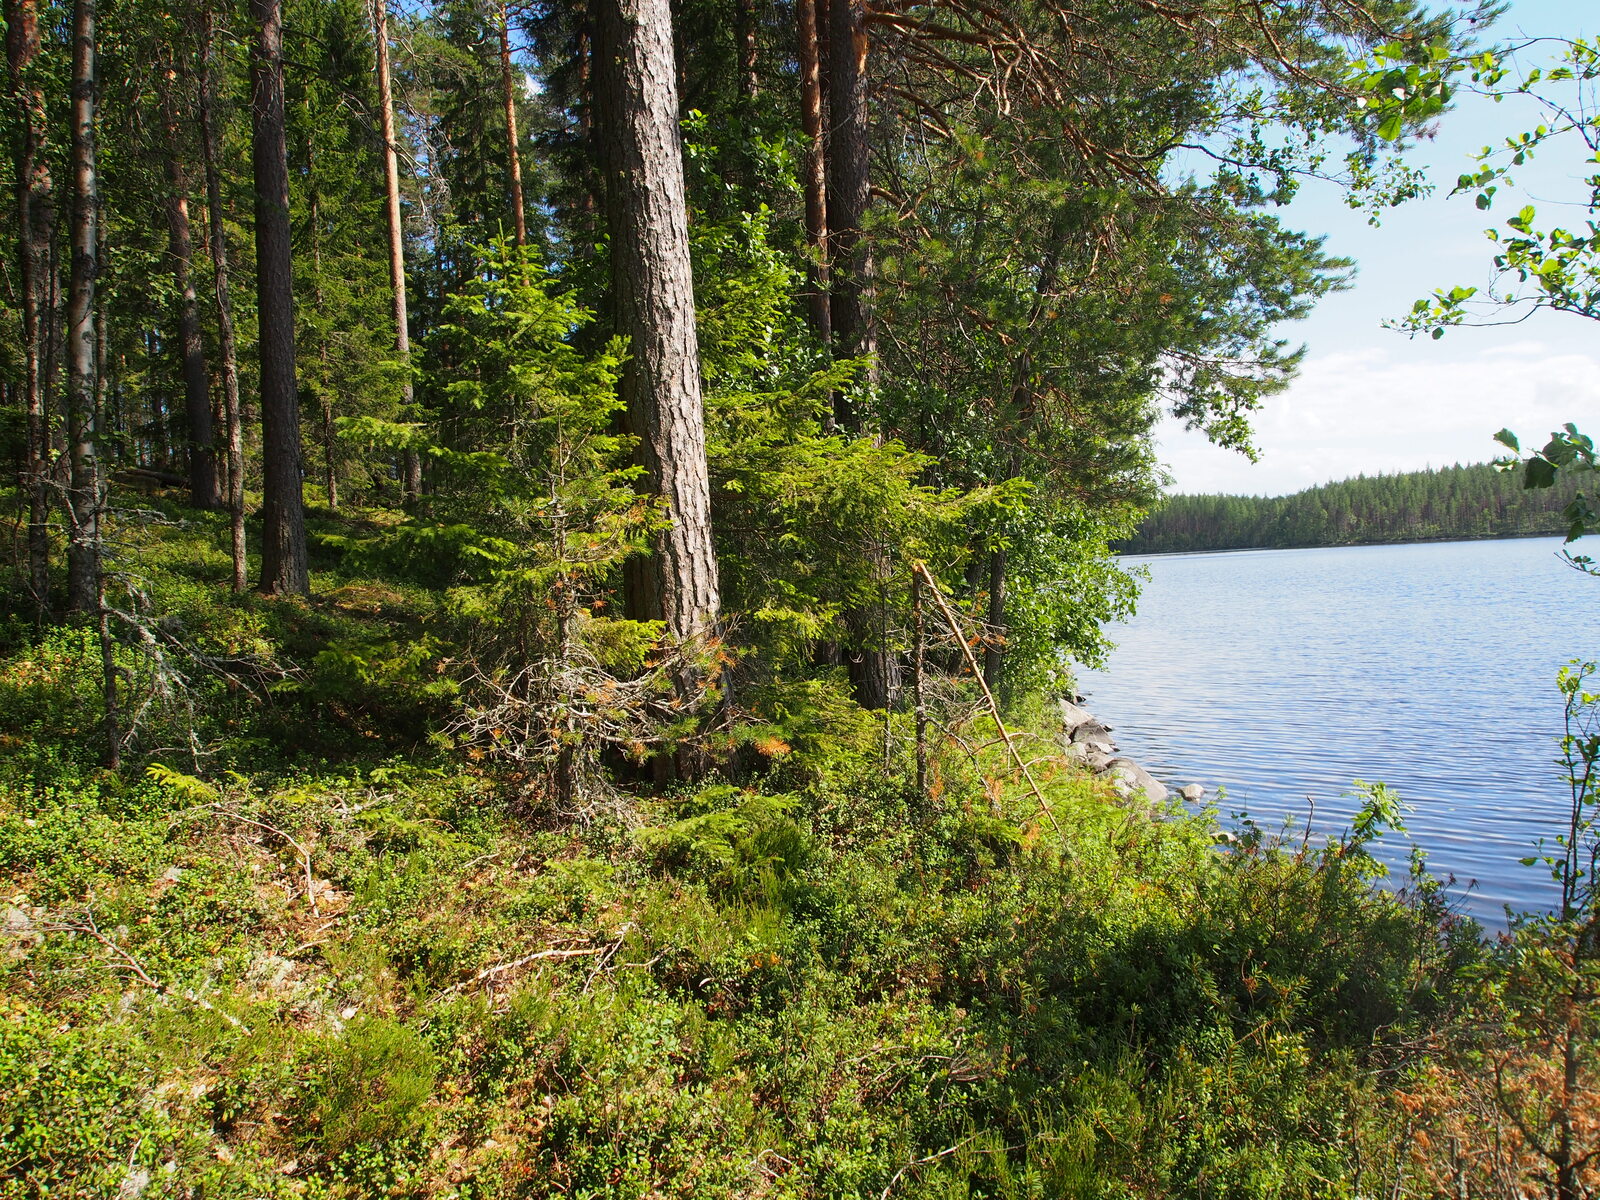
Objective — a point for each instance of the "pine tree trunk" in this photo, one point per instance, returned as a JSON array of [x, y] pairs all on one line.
[[203, 490], [83, 497], [283, 549], [849, 192], [330, 466], [638, 127], [874, 671], [411, 463], [226, 348], [35, 216], [508, 88], [745, 21], [592, 185], [815, 179]]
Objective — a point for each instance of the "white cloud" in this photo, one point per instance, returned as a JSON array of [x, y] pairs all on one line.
[[1402, 409]]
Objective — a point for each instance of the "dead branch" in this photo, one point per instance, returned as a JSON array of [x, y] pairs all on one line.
[[988, 696], [86, 925]]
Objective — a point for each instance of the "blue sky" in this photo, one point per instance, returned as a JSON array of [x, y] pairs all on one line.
[[1369, 399]]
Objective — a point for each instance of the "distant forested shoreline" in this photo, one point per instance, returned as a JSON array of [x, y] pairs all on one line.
[[1474, 501]]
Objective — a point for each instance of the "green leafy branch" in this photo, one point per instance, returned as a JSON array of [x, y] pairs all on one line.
[[1567, 450]]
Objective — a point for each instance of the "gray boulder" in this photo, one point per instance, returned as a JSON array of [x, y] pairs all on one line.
[[1098, 757], [1128, 778], [1092, 731], [1192, 792], [1072, 717]]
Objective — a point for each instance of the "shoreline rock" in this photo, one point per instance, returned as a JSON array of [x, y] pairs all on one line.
[[1087, 739]]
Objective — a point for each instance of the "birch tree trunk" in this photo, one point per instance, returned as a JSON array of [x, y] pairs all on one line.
[[283, 545], [637, 110]]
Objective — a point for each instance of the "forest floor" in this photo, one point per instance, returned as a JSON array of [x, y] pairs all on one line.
[[315, 952]]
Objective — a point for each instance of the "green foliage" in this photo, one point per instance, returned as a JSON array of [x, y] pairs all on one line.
[[1574, 861], [1536, 266], [1568, 452], [71, 1109], [730, 840], [365, 1088], [838, 982], [529, 527]]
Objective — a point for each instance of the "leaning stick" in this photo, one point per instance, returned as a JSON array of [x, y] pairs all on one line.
[[921, 569]]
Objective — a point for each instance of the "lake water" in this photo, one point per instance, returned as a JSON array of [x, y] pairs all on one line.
[[1283, 674]]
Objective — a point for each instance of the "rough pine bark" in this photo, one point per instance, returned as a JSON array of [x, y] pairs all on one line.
[[226, 349], [412, 462], [283, 547], [637, 111], [203, 489], [35, 218], [993, 654], [874, 671], [83, 494]]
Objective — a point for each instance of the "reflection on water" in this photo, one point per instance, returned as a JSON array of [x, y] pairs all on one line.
[[1283, 675]]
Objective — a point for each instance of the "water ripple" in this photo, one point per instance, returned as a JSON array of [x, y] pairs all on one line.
[[1281, 674]]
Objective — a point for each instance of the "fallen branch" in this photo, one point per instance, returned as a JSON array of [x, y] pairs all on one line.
[[305, 855], [922, 1162], [132, 964], [988, 696], [606, 957], [502, 968]]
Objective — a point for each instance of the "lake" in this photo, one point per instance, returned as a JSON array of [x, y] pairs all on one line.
[[1279, 675]]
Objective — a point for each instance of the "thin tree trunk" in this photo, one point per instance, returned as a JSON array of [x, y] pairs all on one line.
[[1022, 406], [508, 90], [203, 490], [411, 462], [54, 336], [219, 271], [993, 653], [35, 204], [815, 177], [849, 192], [330, 472], [111, 723], [648, 214], [994, 642], [749, 80], [330, 478], [83, 545], [919, 654], [102, 338], [283, 551]]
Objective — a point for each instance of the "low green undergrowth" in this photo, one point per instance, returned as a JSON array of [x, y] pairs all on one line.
[[391, 981], [303, 946]]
